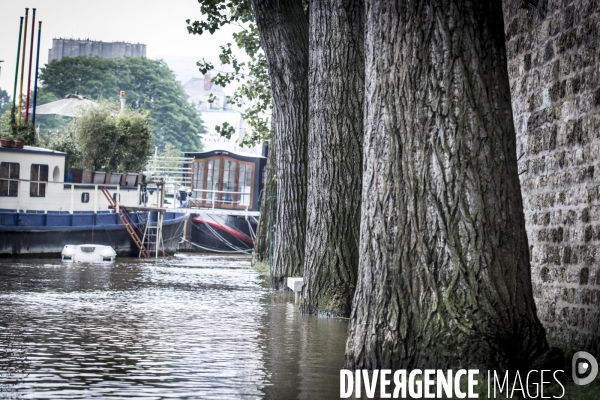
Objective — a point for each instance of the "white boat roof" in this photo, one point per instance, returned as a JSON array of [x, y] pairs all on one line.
[[34, 149]]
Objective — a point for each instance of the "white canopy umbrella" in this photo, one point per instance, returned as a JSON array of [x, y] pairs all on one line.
[[67, 107]]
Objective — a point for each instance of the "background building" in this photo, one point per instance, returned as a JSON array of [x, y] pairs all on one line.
[[216, 113], [85, 47], [198, 88]]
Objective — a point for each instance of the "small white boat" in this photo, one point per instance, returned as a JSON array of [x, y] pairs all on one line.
[[88, 253]]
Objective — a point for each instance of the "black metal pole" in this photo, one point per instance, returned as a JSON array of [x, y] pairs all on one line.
[[37, 64]]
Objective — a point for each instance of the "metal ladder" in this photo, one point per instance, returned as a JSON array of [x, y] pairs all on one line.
[[153, 234], [125, 221]]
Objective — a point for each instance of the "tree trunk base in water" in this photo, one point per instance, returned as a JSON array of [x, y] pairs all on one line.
[[279, 283], [336, 81], [334, 300], [444, 279], [283, 29]]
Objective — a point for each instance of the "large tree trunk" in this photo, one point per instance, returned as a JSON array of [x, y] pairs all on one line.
[[283, 29], [444, 278], [335, 135], [262, 244]]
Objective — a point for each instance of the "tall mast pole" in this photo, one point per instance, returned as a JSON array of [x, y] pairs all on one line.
[[17, 66], [22, 68], [37, 68], [30, 64]]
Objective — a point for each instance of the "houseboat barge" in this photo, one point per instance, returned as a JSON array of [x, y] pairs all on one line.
[[40, 213], [226, 189]]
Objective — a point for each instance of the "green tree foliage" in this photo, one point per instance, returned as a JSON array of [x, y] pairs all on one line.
[[6, 124], [47, 124], [7, 120], [65, 141], [255, 92], [5, 101], [103, 140], [10, 129], [149, 85]]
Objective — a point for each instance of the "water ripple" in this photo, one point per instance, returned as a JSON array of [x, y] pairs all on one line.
[[187, 327]]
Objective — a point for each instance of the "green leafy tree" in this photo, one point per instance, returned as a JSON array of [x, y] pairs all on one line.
[[10, 129], [254, 92], [5, 102], [103, 140], [6, 124], [47, 124], [7, 120], [65, 141], [149, 85], [97, 133], [136, 137], [92, 76]]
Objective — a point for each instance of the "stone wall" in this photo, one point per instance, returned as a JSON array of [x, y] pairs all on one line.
[[554, 68]]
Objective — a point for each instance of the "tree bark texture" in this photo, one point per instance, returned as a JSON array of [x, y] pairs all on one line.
[[335, 135], [444, 278], [262, 243], [283, 29]]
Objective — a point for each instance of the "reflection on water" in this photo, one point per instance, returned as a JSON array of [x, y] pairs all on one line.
[[188, 327]]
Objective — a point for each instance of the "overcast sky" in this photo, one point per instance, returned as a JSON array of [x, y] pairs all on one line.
[[160, 24]]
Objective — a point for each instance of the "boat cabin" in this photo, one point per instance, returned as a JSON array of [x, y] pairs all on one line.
[[33, 179], [226, 179], [30, 177]]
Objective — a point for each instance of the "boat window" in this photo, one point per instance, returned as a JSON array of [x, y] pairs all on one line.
[[228, 181], [198, 179], [38, 179], [222, 182], [9, 179], [212, 180], [245, 184], [85, 197]]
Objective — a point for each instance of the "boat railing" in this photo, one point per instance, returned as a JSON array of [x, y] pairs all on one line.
[[169, 170], [96, 187], [71, 186]]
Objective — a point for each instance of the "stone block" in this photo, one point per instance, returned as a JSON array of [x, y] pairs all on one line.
[[554, 72], [295, 284]]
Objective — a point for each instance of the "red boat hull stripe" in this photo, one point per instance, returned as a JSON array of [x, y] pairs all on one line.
[[233, 232]]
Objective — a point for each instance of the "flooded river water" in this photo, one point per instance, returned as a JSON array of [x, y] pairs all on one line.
[[187, 327]]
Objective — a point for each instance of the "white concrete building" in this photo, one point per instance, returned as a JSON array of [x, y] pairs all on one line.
[[198, 88]]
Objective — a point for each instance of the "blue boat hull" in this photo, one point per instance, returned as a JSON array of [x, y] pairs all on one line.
[[39, 234]]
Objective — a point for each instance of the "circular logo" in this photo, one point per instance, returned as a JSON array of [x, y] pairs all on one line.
[[581, 367]]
